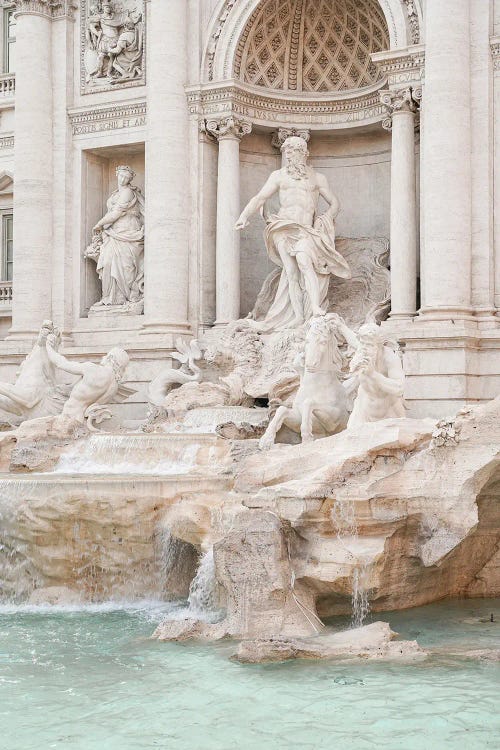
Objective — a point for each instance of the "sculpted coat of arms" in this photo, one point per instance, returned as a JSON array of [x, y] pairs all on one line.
[[112, 44]]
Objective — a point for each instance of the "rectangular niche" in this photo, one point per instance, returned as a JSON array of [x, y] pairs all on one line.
[[99, 181]]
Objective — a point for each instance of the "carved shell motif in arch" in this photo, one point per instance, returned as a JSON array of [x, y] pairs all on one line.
[[312, 45]]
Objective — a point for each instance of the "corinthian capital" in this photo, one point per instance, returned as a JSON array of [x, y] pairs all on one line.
[[402, 101], [47, 8], [228, 127], [280, 136]]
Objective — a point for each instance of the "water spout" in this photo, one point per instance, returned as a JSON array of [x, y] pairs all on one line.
[[203, 590], [343, 516], [360, 591]]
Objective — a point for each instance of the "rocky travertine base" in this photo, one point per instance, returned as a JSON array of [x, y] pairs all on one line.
[[93, 528], [375, 641], [392, 512], [399, 512]]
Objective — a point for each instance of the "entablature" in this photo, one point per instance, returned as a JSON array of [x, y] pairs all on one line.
[[361, 107], [403, 66], [109, 117]]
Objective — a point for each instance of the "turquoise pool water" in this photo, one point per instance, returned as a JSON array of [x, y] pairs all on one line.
[[93, 680]]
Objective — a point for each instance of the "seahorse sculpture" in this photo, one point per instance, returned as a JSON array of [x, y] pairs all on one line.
[[170, 378]]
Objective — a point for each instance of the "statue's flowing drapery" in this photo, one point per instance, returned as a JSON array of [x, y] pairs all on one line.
[[121, 259], [325, 258]]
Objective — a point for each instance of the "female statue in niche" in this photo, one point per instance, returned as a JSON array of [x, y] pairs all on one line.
[[118, 248]]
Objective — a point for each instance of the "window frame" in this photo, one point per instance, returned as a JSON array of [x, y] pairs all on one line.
[[6, 214], [7, 40]]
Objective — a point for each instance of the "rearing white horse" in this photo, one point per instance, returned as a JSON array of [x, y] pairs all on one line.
[[321, 405]]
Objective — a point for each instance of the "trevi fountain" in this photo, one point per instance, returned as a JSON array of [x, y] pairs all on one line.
[[250, 374]]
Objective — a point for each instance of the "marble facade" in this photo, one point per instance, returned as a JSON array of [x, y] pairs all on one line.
[[399, 109]]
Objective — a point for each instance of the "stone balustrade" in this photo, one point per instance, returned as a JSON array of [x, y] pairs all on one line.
[[7, 85], [5, 294]]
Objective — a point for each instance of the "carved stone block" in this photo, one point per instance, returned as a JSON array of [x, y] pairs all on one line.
[[113, 52]]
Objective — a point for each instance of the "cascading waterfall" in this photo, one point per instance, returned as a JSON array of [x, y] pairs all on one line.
[[127, 454], [360, 591], [344, 519], [202, 598], [18, 577]]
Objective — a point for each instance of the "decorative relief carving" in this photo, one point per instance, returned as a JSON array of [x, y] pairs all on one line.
[[228, 127], [413, 21], [241, 102], [114, 117], [64, 8], [446, 433], [214, 39], [280, 136], [112, 44], [312, 45], [49, 8]]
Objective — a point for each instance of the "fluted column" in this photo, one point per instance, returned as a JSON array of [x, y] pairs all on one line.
[[402, 107], [446, 257], [166, 253], [33, 169], [228, 131]]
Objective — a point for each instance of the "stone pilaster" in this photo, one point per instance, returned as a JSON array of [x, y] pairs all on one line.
[[402, 106], [63, 256], [33, 169], [447, 183], [166, 254], [495, 54], [229, 131]]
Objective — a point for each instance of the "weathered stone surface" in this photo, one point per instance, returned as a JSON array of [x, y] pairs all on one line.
[[55, 595], [310, 470], [421, 522], [373, 641], [190, 629], [254, 569], [102, 535]]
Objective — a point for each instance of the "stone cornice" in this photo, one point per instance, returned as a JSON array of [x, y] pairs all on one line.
[[231, 98], [46, 8], [404, 66], [495, 52], [108, 117]]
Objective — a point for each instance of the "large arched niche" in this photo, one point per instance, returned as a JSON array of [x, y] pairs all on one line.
[[312, 46], [325, 82], [231, 19]]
